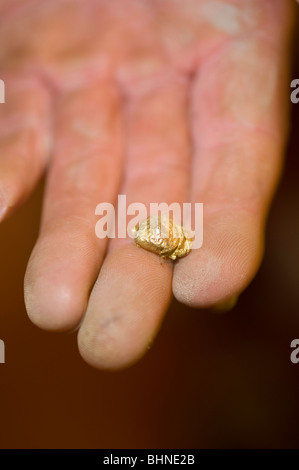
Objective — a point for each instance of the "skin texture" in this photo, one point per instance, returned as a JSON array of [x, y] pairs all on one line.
[[161, 100]]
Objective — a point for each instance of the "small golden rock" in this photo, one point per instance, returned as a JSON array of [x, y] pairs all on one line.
[[161, 236]]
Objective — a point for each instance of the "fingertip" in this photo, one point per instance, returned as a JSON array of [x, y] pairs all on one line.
[[103, 349], [59, 277], [222, 268], [52, 307], [125, 309]]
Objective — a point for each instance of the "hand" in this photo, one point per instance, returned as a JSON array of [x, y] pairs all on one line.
[[161, 100]]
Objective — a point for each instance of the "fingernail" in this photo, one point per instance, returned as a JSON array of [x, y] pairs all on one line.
[[225, 306]]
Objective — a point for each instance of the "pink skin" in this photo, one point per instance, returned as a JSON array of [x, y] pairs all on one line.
[[161, 100]]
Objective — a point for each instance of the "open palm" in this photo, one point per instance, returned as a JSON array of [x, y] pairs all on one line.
[[161, 100]]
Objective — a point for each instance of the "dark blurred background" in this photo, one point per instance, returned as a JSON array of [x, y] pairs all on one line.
[[208, 381]]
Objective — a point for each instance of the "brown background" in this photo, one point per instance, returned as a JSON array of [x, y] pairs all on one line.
[[208, 381]]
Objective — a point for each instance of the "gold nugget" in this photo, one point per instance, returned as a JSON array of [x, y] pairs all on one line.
[[161, 236]]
